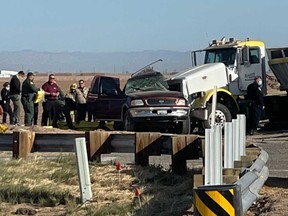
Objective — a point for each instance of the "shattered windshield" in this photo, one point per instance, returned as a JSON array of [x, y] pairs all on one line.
[[226, 56], [151, 82]]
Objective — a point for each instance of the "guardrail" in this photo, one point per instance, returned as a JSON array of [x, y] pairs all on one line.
[[252, 180], [143, 145], [249, 163]]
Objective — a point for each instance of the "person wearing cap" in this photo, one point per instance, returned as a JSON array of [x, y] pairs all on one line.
[[256, 104], [15, 91], [29, 91], [52, 92], [5, 94]]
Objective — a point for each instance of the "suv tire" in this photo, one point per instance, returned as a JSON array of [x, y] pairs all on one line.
[[129, 124]]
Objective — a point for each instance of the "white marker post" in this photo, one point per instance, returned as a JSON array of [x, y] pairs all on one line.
[[214, 102], [83, 169]]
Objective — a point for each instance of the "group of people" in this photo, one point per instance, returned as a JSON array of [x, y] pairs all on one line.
[[56, 104]]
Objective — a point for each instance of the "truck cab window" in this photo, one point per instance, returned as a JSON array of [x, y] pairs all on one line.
[[254, 57], [226, 56]]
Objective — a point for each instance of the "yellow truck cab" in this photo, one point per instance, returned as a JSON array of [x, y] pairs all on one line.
[[231, 66]]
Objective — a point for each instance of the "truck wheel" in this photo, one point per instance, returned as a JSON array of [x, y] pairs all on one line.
[[129, 124], [222, 115], [183, 127]]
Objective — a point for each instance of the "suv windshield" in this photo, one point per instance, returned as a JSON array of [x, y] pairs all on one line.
[[146, 82], [226, 56]]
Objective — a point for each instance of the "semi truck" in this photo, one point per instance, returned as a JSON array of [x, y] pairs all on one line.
[[230, 65]]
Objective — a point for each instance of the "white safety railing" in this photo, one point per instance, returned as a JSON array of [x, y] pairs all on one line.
[[253, 178]]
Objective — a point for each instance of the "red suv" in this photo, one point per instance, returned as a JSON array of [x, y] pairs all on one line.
[[145, 104]]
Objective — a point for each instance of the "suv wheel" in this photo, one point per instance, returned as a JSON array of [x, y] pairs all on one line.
[[129, 124]]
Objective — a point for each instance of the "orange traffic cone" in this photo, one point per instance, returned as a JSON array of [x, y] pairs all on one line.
[[138, 195], [118, 168], [137, 192]]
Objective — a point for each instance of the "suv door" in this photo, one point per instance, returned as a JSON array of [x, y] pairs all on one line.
[[110, 99]]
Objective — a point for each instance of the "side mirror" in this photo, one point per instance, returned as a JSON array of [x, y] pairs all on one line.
[[245, 56]]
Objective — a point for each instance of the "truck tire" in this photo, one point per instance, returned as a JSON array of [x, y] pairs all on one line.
[[129, 124], [183, 127], [222, 115]]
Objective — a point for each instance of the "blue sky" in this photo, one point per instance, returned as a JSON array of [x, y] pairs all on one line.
[[134, 25]]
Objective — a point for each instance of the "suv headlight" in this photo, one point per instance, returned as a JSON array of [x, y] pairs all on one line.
[[137, 102], [181, 102]]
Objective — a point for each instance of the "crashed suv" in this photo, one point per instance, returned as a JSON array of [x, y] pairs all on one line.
[[145, 104]]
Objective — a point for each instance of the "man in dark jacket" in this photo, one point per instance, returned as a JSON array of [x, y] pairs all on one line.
[[256, 104], [29, 91], [5, 94], [15, 90]]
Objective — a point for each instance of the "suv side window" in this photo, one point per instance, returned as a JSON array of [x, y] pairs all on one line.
[[109, 86], [95, 88]]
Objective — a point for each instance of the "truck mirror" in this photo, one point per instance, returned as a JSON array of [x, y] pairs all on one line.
[[245, 55]]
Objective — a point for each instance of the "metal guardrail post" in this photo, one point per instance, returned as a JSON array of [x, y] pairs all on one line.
[[214, 102], [207, 179], [228, 145], [242, 135], [218, 155], [212, 155], [83, 169]]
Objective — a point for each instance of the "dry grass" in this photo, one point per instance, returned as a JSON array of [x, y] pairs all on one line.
[[52, 188]]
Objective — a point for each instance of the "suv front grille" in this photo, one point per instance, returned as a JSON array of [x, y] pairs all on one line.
[[160, 101]]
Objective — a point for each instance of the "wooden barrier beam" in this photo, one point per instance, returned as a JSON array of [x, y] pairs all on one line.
[[23, 142], [230, 179], [231, 171], [97, 143], [184, 147], [198, 180], [253, 151], [145, 145]]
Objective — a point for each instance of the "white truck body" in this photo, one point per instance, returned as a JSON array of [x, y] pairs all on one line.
[[200, 78], [231, 66]]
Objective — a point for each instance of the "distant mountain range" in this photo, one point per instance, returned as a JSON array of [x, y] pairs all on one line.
[[118, 62]]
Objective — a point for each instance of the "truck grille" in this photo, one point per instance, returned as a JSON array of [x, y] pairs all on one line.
[[161, 101]]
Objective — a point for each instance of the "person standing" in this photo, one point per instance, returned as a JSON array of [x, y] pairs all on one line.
[[29, 91], [5, 94], [15, 91], [70, 104], [52, 92], [82, 93], [256, 104]]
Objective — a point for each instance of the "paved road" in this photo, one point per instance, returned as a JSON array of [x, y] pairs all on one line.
[[276, 145]]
